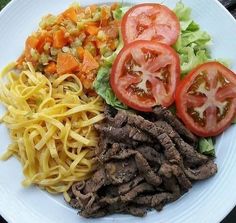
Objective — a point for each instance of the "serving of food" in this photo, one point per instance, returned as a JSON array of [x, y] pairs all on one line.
[[117, 107]]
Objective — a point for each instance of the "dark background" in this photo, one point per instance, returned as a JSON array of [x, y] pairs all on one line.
[[231, 6]]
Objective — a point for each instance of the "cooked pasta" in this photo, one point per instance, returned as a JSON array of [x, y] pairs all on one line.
[[51, 126]]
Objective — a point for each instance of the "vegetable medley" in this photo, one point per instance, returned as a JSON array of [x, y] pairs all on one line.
[[74, 41]]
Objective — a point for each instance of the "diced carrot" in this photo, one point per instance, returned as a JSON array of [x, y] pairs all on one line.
[[71, 14], [92, 30], [92, 23], [32, 42], [59, 39], [104, 17], [92, 93], [51, 68], [99, 43], [66, 63], [70, 39], [93, 8], [43, 39], [113, 45], [114, 6], [89, 63], [80, 52], [86, 79]]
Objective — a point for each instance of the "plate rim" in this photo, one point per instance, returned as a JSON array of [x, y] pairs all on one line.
[[230, 205]]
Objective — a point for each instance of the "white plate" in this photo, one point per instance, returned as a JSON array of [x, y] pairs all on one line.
[[206, 202]]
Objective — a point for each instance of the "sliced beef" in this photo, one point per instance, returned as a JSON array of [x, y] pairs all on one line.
[[146, 171], [184, 182], [117, 152], [170, 151], [110, 112], [111, 190], [190, 154], [151, 128], [153, 201], [135, 210], [145, 161], [166, 115], [95, 211], [150, 154], [203, 172], [120, 119], [109, 200], [96, 182], [126, 134], [107, 154], [126, 187], [171, 185], [169, 170], [141, 188], [119, 172], [74, 203], [85, 200]]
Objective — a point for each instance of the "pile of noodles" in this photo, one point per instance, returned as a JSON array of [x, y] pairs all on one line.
[[50, 121]]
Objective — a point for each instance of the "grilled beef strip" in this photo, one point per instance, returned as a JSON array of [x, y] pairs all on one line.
[[166, 115]]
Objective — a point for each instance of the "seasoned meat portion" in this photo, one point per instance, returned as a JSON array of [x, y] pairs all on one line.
[[153, 201], [150, 154], [136, 211], [126, 134], [121, 171], [126, 187], [141, 188], [145, 161], [146, 171], [203, 172], [165, 115], [96, 182]]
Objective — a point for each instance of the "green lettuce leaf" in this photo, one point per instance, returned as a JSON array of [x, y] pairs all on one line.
[[206, 146], [103, 88], [108, 61], [119, 12], [192, 43]]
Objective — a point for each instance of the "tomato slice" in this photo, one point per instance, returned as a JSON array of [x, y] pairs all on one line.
[[205, 99], [145, 74], [150, 21]]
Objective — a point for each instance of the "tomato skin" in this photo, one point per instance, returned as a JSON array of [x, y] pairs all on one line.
[[173, 35], [181, 101], [125, 97]]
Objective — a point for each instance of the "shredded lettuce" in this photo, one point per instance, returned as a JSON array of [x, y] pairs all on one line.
[[119, 12], [206, 146], [108, 61], [103, 88], [192, 43]]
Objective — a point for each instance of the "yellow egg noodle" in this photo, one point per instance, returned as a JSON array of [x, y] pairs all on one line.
[[51, 126]]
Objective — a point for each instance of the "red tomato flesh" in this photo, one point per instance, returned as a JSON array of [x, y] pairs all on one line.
[[145, 74], [205, 99], [150, 21]]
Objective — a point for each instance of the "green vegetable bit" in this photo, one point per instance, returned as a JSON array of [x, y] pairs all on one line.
[[192, 43], [119, 12], [206, 146], [103, 88]]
